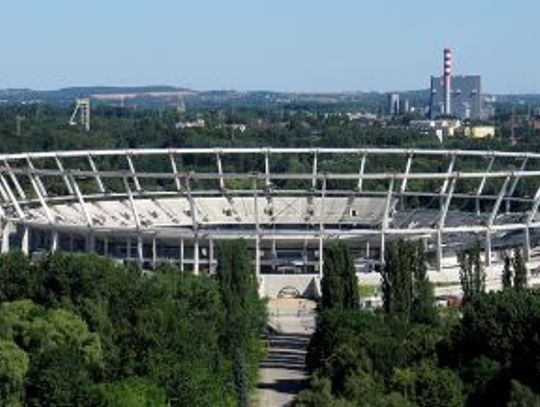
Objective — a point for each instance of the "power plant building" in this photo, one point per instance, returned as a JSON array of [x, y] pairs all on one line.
[[465, 97]]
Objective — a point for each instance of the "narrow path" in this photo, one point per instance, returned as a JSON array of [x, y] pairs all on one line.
[[282, 373]]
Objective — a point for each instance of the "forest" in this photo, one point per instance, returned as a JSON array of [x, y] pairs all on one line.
[[81, 330], [411, 353]]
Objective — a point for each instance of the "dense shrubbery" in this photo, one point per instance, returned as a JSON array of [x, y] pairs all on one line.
[[402, 356], [83, 331]]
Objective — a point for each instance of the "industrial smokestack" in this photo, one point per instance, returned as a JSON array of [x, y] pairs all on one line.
[[447, 81]]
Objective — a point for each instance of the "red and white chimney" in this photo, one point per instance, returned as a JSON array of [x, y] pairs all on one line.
[[447, 77]]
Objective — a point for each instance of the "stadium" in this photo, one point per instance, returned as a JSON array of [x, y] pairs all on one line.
[[173, 206]]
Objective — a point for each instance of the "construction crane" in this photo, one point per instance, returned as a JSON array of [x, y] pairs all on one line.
[[82, 110]]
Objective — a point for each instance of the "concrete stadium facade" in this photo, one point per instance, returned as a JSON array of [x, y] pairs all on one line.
[[156, 206]]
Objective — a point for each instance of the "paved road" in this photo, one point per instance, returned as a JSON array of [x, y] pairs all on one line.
[[282, 373]]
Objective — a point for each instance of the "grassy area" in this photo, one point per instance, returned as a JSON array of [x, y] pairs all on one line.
[[367, 290]]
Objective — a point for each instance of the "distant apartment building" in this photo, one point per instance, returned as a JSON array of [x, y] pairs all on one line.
[[396, 105], [466, 100]]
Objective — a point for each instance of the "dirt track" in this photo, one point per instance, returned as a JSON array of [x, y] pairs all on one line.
[[282, 373]]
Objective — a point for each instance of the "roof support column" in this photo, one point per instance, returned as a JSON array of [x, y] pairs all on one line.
[[258, 258], [6, 233], [403, 186], [257, 230], [314, 171], [154, 252], [267, 169], [386, 218], [439, 248], [140, 253], [105, 245], [90, 242], [196, 256], [321, 228], [482, 184], [211, 268], [492, 216], [487, 249], [25, 241], [54, 240], [321, 256], [514, 184], [128, 248], [527, 244], [220, 172], [441, 223], [182, 267]]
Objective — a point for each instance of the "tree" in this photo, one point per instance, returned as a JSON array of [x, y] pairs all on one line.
[[64, 357], [244, 311], [13, 369], [339, 285], [522, 396], [471, 274], [17, 277], [134, 392], [507, 273], [407, 291], [396, 276], [520, 271], [436, 387], [423, 305]]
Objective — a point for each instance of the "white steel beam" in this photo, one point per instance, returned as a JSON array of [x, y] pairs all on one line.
[[14, 180], [41, 198], [132, 205], [80, 198], [174, 167], [96, 173], [37, 178], [406, 173], [12, 197], [361, 172], [446, 206], [482, 184], [498, 202], [449, 172], [220, 171], [64, 176], [515, 183], [133, 172]]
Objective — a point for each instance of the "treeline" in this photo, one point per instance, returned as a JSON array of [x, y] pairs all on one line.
[[43, 128], [46, 128], [80, 330], [410, 353]]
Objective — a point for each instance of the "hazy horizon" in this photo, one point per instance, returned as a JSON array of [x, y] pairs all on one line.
[[307, 46]]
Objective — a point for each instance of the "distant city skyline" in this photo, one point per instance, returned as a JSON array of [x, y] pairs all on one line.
[[303, 46]]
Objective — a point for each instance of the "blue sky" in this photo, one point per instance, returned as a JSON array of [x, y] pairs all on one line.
[[294, 45]]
